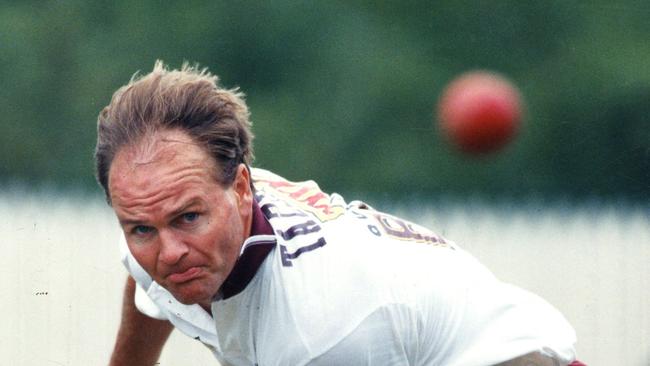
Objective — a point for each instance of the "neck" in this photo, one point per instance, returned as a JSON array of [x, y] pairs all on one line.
[[207, 307]]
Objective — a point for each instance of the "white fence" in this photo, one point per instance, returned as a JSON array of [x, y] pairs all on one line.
[[61, 281]]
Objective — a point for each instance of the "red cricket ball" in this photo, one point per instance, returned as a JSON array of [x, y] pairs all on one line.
[[480, 112]]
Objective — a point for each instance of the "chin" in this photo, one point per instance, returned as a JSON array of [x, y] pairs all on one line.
[[189, 294], [190, 299]]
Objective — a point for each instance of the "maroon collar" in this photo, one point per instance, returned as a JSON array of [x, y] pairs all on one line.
[[254, 251]]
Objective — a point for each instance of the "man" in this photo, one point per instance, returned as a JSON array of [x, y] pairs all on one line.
[[264, 271]]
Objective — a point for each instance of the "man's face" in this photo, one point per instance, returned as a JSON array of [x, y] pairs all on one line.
[[182, 226]]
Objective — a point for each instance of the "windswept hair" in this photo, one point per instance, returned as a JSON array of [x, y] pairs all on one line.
[[190, 100]]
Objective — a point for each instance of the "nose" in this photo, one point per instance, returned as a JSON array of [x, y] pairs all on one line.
[[172, 248]]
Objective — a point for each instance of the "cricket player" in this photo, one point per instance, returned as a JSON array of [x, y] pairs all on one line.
[[265, 271]]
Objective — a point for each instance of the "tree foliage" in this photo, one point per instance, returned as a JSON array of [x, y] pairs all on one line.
[[344, 92]]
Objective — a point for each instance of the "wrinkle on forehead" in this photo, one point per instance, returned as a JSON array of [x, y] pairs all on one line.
[[162, 197], [155, 177], [171, 151], [162, 147]]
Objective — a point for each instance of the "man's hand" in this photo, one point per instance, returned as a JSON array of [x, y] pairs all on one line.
[[140, 338]]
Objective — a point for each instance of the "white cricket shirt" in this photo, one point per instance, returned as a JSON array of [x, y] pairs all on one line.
[[321, 282]]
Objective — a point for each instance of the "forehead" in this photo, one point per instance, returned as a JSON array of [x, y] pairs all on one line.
[[160, 146], [161, 155]]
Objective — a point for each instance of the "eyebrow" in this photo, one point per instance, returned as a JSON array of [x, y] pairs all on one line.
[[130, 222], [193, 201]]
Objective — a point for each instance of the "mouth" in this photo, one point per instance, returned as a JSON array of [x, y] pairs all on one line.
[[184, 276]]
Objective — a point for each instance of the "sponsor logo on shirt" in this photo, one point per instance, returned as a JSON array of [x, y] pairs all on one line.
[[307, 195]]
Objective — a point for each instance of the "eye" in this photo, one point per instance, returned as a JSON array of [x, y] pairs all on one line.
[[141, 230], [189, 217]]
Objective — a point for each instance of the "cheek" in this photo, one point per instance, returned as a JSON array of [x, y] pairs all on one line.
[[229, 238], [144, 255]]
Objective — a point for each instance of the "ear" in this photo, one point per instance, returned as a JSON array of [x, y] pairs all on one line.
[[242, 188]]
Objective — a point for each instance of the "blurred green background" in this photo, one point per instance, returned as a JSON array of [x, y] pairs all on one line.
[[343, 92]]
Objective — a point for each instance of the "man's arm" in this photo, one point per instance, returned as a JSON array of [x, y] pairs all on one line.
[[140, 338]]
